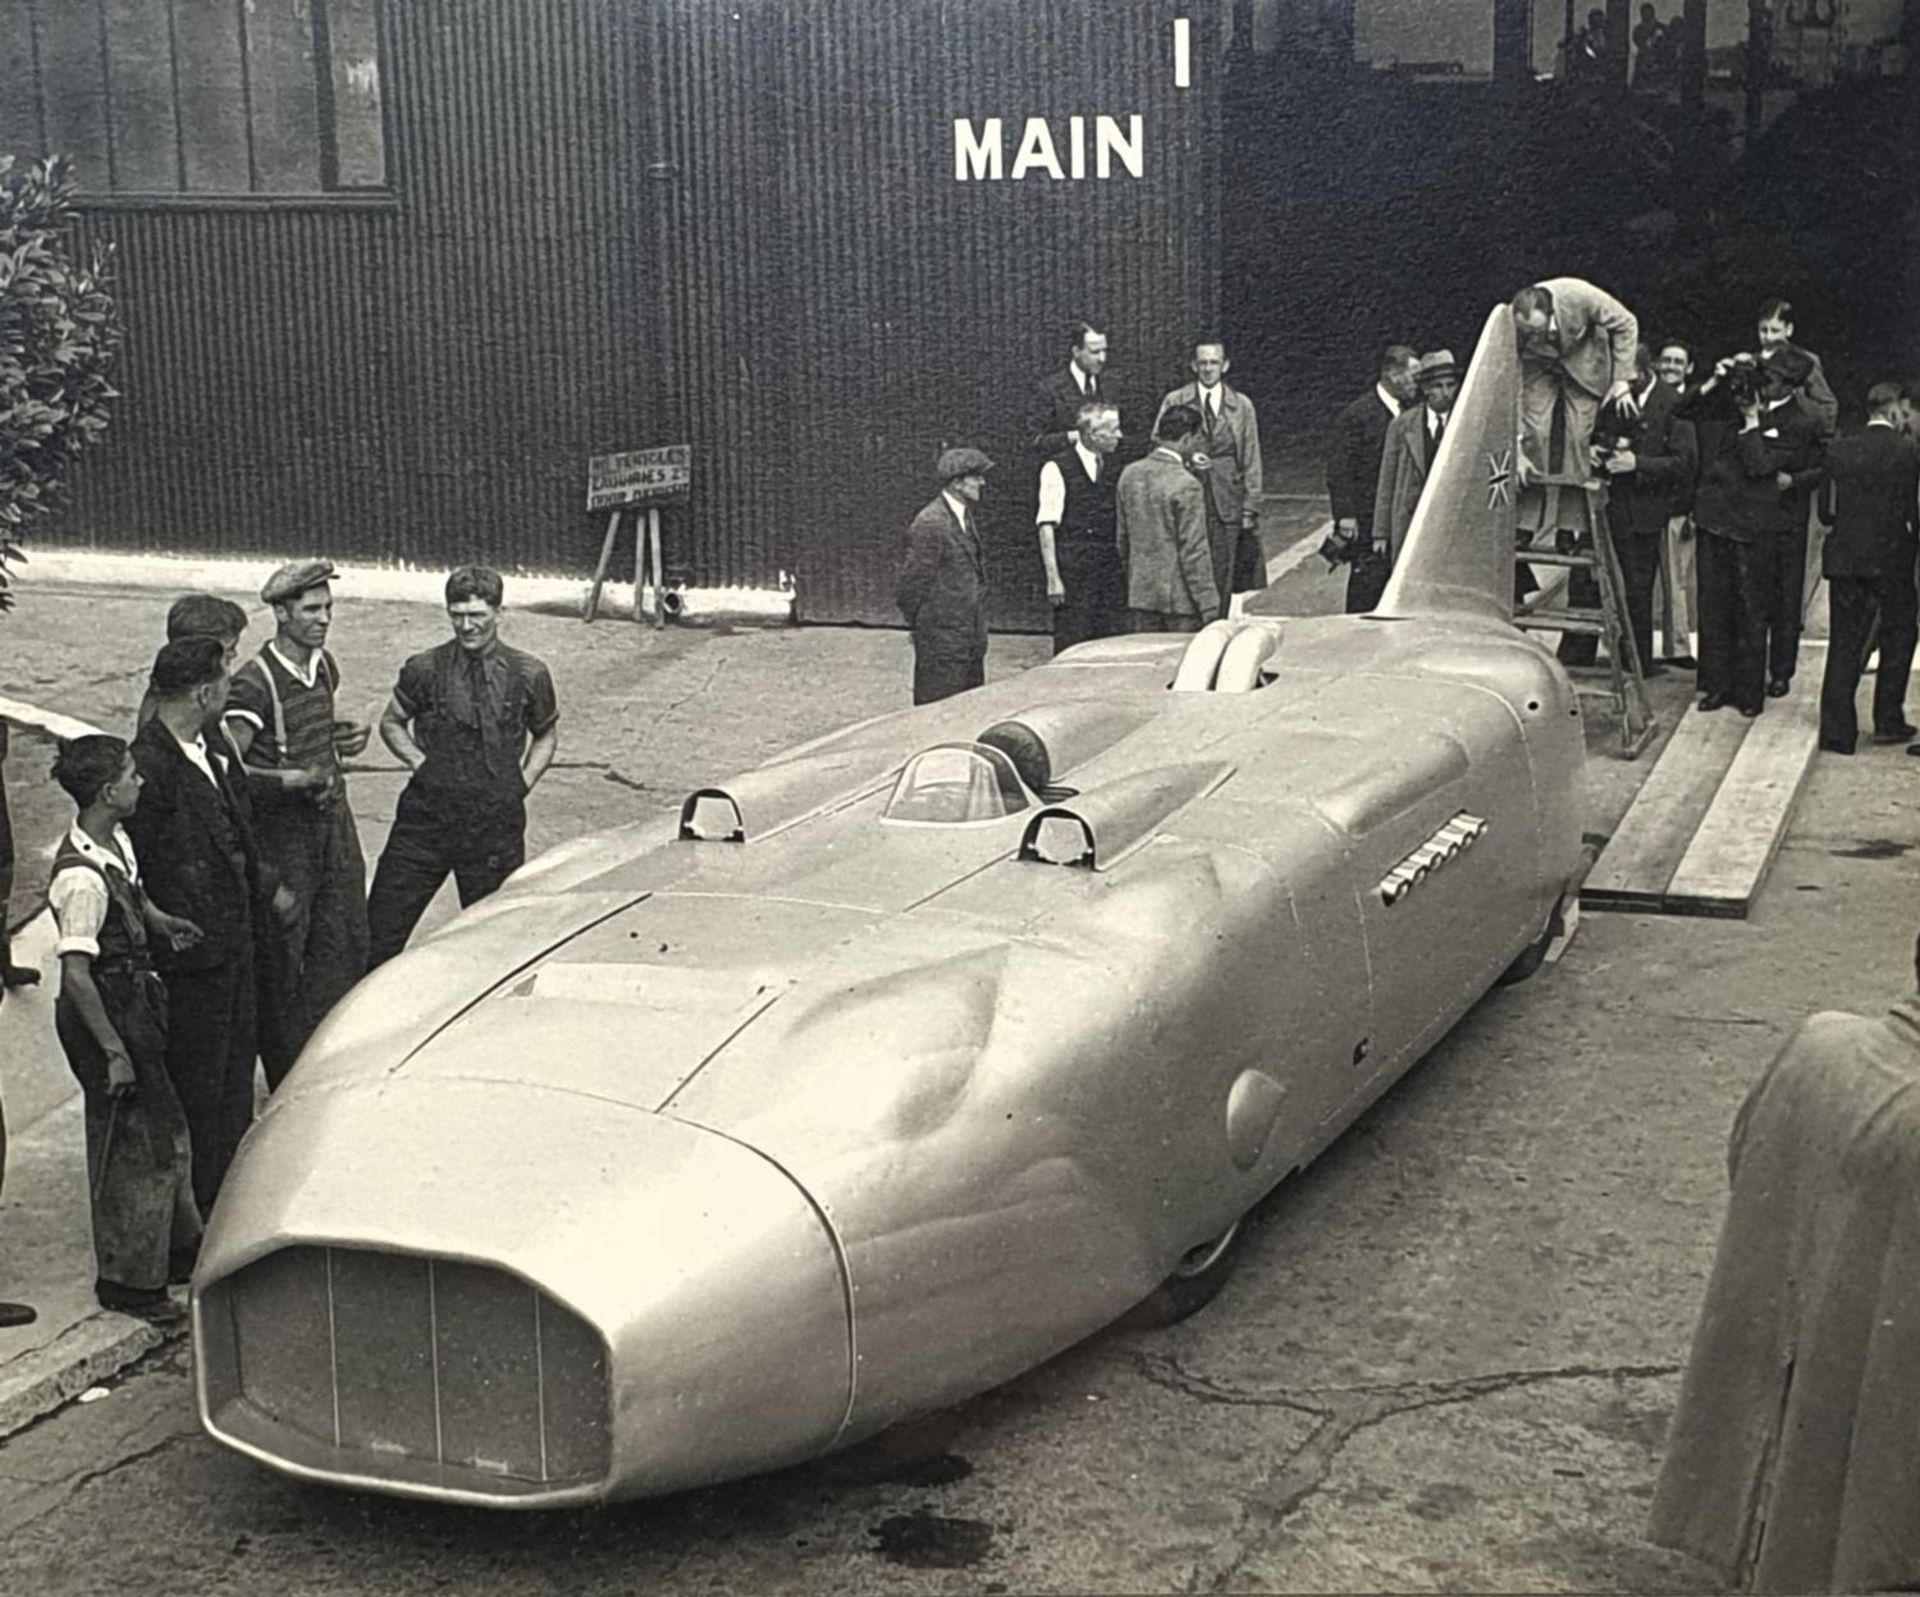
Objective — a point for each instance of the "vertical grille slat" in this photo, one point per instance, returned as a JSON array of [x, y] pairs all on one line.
[[407, 1367]]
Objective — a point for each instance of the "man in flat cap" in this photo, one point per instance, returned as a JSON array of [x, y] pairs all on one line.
[[942, 586], [280, 712], [1413, 439]]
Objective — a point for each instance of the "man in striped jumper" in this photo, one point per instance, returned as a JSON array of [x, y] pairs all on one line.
[[280, 714]]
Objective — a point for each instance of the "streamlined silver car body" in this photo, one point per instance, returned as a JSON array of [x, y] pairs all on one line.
[[902, 1062]]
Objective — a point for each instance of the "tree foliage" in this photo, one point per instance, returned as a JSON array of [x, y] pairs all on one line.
[[59, 333]]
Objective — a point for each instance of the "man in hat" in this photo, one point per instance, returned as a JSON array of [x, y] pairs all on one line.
[[942, 586], [477, 723], [1226, 457], [1162, 515], [280, 711], [1413, 440], [1086, 584], [1577, 347]]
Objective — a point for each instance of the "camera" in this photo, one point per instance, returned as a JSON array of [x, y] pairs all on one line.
[[1745, 380]]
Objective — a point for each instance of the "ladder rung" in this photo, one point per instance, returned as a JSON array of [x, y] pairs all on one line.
[[1553, 557], [1560, 621]]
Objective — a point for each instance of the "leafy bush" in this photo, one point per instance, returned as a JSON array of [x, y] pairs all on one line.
[[59, 331]]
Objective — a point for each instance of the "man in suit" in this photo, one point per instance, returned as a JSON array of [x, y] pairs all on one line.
[[198, 858], [1576, 354], [1678, 584], [1868, 560], [1797, 436], [1226, 456], [942, 586], [1755, 445], [1162, 516], [1055, 415], [1407, 455], [1649, 459], [1079, 549], [1774, 328], [1353, 472]]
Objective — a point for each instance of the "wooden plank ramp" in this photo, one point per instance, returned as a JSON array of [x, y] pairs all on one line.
[[1637, 865], [1721, 872]]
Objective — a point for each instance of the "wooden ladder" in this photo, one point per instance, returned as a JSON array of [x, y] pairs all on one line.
[[1625, 684]]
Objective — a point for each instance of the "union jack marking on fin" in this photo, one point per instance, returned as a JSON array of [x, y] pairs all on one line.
[[1499, 478]]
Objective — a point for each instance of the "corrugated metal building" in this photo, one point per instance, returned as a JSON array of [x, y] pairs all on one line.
[[392, 272]]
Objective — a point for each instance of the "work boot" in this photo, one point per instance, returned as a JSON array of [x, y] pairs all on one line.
[[12, 1314]]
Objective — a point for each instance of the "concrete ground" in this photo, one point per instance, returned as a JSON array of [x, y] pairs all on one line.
[[1446, 1363]]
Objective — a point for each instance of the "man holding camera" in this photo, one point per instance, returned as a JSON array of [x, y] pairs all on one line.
[[1648, 457], [1762, 454]]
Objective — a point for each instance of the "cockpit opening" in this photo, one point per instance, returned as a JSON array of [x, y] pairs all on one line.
[[956, 784]]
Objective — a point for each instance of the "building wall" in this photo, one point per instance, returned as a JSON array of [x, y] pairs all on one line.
[[614, 224]]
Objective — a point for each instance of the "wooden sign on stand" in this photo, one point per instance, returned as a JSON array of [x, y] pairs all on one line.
[[641, 480]]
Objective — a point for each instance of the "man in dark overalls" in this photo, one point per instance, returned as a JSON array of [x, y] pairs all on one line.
[[280, 715], [112, 1020], [478, 724]]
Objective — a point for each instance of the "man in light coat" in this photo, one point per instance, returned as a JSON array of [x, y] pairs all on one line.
[[942, 586], [1162, 516], [1226, 457], [1577, 347]]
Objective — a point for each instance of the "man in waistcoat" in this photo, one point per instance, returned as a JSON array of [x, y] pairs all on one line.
[[280, 712], [1085, 583]]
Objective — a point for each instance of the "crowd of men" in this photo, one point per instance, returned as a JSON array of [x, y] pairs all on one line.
[[1713, 484], [1158, 543], [210, 899]]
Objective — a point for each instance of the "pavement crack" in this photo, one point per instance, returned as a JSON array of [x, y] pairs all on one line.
[[1343, 1412], [35, 1506]]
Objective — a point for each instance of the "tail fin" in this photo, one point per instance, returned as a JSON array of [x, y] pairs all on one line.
[[1458, 557]]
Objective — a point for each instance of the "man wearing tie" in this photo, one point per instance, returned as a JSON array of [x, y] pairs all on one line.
[[942, 586], [1412, 443], [1056, 404], [1226, 458], [1085, 583]]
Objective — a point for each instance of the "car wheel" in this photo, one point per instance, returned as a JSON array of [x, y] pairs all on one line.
[[1533, 954], [1195, 1282]]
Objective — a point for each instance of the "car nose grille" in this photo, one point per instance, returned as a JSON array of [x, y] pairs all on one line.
[[435, 1372]]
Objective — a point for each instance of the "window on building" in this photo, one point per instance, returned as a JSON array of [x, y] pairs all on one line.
[[213, 97]]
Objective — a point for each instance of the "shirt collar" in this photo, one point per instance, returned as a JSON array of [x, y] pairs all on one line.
[[1775, 404], [1087, 456], [1079, 378], [1434, 418], [1880, 421], [1170, 453], [1646, 393], [307, 677], [90, 850], [959, 505], [1388, 398]]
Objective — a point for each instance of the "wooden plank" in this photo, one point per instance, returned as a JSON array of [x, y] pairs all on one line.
[[1640, 858], [1728, 858]]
